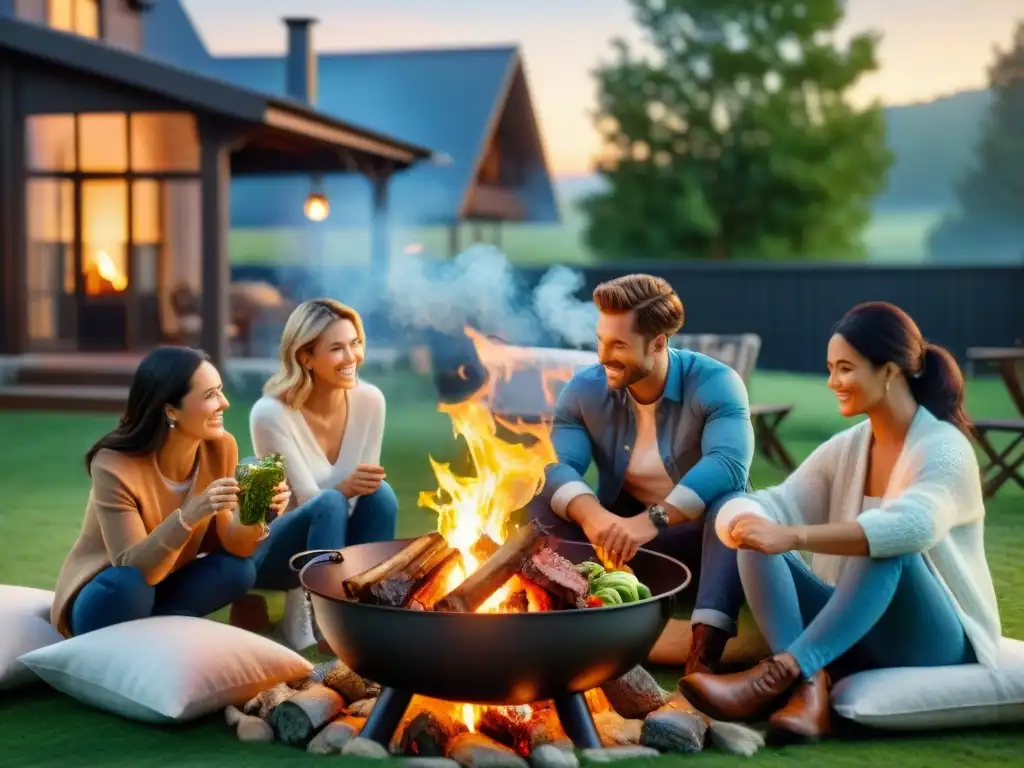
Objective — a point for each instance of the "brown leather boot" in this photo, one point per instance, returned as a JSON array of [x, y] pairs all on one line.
[[743, 696], [807, 714], [705, 650]]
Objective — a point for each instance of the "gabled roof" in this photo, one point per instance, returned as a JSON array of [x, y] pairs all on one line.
[[450, 100], [197, 91]]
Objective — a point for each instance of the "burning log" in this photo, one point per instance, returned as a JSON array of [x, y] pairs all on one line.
[[556, 576], [428, 734], [543, 728], [398, 586], [297, 720], [494, 572], [435, 585], [476, 750], [358, 587]]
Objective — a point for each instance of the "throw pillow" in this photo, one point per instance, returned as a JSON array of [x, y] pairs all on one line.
[[166, 669], [25, 618], [933, 698]]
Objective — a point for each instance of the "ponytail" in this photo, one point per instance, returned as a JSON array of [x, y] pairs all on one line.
[[939, 387]]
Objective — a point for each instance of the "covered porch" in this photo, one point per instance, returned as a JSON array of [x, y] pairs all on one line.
[[115, 176]]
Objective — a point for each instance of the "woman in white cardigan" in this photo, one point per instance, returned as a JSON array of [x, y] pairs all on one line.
[[328, 425], [892, 515]]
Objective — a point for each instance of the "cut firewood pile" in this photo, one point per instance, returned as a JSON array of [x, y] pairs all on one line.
[[523, 574], [635, 717]]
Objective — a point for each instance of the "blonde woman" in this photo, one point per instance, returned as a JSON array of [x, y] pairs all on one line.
[[328, 425]]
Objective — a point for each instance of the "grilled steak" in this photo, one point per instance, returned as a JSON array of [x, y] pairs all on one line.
[[556, 576]]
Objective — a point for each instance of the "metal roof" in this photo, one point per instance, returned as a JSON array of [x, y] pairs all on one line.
[[447, 99]]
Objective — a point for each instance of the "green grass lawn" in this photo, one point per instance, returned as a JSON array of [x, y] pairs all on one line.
[[44, 491], [892, 236]]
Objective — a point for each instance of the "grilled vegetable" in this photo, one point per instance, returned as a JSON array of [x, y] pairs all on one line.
[[608, 596]]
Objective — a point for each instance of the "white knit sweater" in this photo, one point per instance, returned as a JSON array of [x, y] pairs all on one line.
[[932, 505]]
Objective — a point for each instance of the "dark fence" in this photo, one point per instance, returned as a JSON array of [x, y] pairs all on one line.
[[793, 306]]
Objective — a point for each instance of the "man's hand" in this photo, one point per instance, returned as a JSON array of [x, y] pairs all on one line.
[[762, 535], [620, 537]]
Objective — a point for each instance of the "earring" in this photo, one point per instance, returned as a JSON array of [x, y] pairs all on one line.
[[171, 423]]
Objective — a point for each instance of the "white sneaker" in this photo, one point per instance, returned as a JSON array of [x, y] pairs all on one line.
[[297, 622]]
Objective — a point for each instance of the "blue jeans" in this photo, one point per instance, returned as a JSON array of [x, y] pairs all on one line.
[[120, 593], [323, 522], [694, 543], [887, 612]]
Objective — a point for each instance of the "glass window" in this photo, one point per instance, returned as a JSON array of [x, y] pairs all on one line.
[[103, 143], [105, 235], [51, 258], [50, 142], [79, 16], [146, 235], [164, 141]]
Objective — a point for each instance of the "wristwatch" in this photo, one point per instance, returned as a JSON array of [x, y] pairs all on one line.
[[658, 516]]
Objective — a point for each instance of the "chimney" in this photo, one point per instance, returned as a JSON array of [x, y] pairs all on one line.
[[300, 66]]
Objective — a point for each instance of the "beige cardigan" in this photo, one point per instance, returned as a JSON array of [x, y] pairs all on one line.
[[130, 521], [932, 505]]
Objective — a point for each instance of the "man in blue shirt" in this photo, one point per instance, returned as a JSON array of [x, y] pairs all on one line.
[[670, 433]]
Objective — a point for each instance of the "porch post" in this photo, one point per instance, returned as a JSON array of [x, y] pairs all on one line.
[[215, 182], [13, 307], [380, 243]]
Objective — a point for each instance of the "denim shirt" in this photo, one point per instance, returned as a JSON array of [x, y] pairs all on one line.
[[705, 437]]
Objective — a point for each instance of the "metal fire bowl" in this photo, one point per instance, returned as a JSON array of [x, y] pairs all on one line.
[[490, 658]]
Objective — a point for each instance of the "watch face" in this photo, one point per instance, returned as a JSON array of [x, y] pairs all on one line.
[[659, 516]]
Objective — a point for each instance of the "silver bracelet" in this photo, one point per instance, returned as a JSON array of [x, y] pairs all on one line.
[[181, 519]]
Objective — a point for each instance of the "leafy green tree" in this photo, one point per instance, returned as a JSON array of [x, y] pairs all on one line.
[[988, 222], [729, 134]]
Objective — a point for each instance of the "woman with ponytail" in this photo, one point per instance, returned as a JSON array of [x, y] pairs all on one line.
[[890, 512]]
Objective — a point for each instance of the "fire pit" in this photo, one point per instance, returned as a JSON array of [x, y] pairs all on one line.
[[491, 658]]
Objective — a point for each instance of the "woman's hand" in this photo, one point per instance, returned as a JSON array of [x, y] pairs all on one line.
[[219, 495], [364, 480], [762, 535], [282, 495]]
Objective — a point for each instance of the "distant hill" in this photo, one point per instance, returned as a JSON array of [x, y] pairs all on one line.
[[933, 142]]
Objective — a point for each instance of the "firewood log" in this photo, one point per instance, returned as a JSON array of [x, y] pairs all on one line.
[[263, 703], [475, 750], [362, 708], [351, 686], [616, 731], [427, 734], [297, 720], [543, 727], [635, 694], [332, 738], [435, 585], [396, 589], [355, 585], [494, 572]]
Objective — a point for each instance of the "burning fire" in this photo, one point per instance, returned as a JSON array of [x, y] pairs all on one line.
[[508, 461], [101, 272]]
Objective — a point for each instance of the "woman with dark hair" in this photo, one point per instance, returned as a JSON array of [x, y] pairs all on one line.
[[891, 513], [161, 536]]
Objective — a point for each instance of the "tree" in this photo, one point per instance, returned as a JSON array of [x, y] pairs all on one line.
[[733, 135], [988, 222]]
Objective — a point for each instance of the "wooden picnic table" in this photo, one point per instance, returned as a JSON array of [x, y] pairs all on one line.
[[1008, 361], [1003, 464]]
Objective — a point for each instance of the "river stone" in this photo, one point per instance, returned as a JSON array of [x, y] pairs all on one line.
[[331, 739], [550, 756], [674, 730], [360, 747], [427, 762], [613, 754]]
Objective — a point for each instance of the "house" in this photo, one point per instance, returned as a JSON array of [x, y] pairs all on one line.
[[116, 172], [470, 105]]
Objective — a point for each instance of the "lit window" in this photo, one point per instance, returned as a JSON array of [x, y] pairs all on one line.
[[79, 16]]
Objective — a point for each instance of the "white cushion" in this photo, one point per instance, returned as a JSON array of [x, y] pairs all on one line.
[[166, 668], [25, 622], [934, 698]]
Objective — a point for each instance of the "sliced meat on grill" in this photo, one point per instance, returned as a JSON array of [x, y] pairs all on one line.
[[556, 576]]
